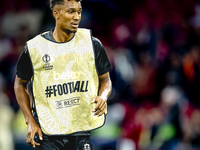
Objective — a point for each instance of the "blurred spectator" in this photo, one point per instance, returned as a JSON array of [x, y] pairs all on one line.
[[6, 116], [144, 82]]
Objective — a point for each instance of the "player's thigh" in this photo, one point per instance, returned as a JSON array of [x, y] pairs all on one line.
[[83, 143], [49, 143]]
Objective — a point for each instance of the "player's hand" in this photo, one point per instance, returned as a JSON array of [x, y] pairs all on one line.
[[32, 129], [100, 107]]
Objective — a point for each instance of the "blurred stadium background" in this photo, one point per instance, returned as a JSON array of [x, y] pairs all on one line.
[[154, 48]]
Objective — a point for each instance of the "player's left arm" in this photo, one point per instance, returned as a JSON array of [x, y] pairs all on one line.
[[104, 93]]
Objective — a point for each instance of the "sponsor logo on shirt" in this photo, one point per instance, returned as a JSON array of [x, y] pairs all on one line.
[[67, 102], [46, 58]]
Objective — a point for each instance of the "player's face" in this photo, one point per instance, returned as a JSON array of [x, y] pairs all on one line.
[[70, 15]]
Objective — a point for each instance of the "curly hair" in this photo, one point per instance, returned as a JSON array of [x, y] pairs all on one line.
[[53, 3]]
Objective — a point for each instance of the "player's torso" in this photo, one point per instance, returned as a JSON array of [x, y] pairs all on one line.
[[65, 80]]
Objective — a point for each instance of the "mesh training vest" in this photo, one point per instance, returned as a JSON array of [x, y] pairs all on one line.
[[64, 83]]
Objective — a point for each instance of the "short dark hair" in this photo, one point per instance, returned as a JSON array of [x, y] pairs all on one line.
[[53, 3]]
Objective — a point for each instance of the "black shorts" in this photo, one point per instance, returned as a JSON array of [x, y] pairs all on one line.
[[64, 143]]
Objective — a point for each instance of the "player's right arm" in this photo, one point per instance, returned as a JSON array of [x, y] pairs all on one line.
[[24, 74], [20, 88]]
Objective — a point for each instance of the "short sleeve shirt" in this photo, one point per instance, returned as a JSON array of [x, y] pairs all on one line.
[[25, 70]]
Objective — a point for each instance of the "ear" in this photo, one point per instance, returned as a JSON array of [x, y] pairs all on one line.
[[56, 14]]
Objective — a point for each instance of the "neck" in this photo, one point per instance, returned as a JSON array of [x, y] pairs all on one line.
[[62, 36]]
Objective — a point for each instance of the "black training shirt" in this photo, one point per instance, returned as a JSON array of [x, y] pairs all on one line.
[[25, 69]]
